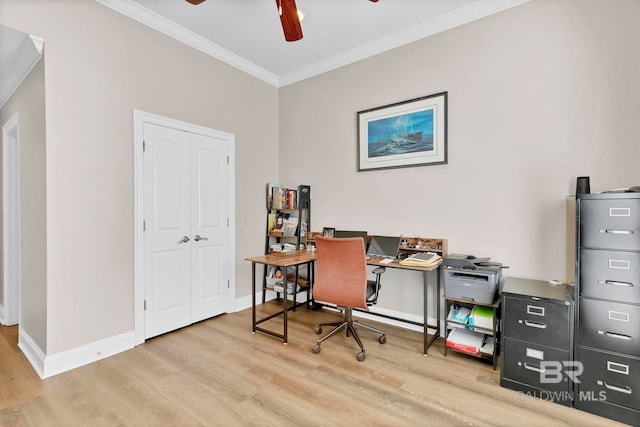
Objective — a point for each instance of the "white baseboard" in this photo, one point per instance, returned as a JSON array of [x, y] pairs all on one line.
[[1, 314], [48, 366], [34, 354]]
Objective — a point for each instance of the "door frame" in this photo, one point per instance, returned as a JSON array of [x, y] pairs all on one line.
[[139, 119], [12, 222]]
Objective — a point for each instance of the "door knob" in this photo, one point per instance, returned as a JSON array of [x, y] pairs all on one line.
[[197, 238], [184, 239]]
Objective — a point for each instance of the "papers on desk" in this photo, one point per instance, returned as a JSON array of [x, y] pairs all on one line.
[[422, 259]]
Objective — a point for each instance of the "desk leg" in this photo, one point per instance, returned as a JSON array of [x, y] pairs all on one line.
[[285, 298], [310, 269], [253, 297], [425, 312], [437, 334], [427, 342]]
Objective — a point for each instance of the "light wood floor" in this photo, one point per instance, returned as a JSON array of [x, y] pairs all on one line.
[[218, 373]]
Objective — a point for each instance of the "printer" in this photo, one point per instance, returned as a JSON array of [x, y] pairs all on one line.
[[469, 278]]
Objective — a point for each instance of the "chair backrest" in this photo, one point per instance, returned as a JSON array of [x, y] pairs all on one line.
[[341, 272]]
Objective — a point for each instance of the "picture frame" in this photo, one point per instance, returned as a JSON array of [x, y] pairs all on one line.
[[328, 232], [405, 134]]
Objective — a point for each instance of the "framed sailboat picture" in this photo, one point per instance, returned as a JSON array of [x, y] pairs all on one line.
[[404, 134]]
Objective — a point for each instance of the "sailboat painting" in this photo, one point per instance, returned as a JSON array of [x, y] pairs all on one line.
[[409, 133]]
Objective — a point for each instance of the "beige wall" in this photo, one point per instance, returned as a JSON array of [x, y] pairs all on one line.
[[100, 66], [29, 101], [538, 95]]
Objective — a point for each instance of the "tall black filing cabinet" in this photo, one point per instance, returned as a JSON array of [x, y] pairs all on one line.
[[608, 313], [537, 328]]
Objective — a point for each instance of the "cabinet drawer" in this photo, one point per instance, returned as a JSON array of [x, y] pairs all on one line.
[[538, 321], [522, 362], [609, 325], [611, 275], [612, 223], [615, 378]]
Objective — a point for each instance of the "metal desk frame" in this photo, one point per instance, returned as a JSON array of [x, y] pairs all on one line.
[[296, 258], [425, 310], [285, 260]]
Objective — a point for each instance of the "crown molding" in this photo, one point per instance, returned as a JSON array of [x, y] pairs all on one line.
[[473, 12], [173, 30], [27, 56]]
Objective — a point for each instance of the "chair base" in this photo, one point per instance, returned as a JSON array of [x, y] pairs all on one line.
[[351, 326]]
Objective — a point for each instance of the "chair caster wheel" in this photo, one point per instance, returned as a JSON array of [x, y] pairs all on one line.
[[316, 348], [382, 339], [318, 330], [360, 356]]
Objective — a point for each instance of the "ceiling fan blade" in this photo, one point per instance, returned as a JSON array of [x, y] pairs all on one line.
[[289, 19], [197, 2]]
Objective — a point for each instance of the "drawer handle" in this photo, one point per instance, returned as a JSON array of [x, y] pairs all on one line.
[[617, 336], [533, 368], [535, 324], [625, 389], [616, 231], [616, 283]]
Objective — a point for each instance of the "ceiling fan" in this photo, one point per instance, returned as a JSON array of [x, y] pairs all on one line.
[[288, 17]]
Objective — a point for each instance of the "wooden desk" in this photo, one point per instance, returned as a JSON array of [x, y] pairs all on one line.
[[284, 260], [300, 257]]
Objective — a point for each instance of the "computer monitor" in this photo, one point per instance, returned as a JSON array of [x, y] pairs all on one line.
[[384, 247], [352, 233]]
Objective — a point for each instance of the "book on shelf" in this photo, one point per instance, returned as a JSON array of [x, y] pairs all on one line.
[[279, 197], [290, 227], [423, 259], [304, 226], [291, 201], [280, 220], [271, 220], [272, 189]]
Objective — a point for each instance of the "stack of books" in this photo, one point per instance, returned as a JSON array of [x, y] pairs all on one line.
[[422, 259], [291, 286], [279, 247]]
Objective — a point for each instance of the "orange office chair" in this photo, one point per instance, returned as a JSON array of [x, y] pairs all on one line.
[[341, 279]]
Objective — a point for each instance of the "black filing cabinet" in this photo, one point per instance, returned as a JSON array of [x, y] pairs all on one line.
[[538, 324], [608, 309]]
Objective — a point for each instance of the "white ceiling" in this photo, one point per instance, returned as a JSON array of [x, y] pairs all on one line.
[[247, 33]]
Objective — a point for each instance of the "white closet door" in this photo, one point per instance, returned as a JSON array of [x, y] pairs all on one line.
[[186, 228], [209, 228], [167, 238]]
